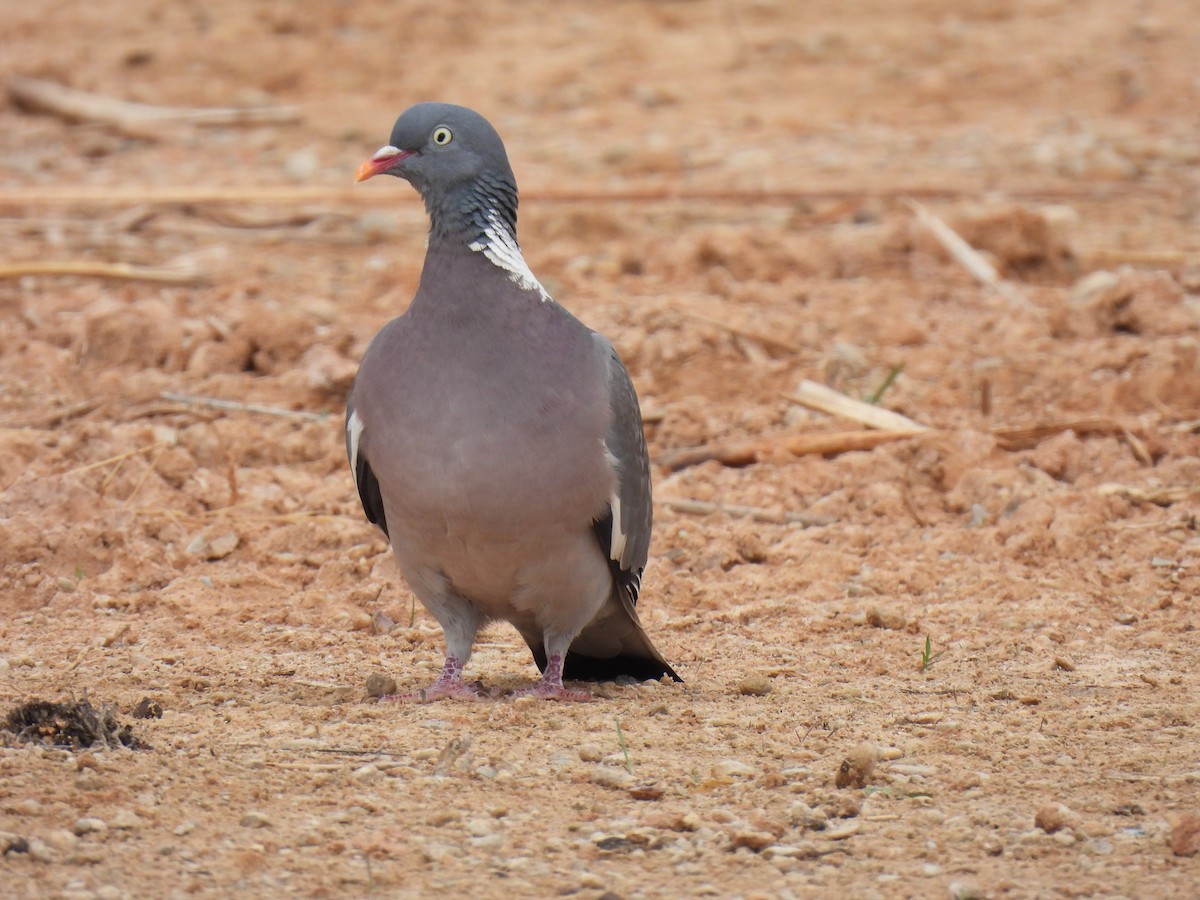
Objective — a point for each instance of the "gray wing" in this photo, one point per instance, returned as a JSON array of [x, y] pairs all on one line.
[[624, 532]]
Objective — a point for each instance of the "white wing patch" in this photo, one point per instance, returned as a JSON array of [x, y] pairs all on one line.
[[354, 430], [617, 544], [499, 246]]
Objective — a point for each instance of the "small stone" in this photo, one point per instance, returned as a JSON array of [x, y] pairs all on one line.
[[964, 890], [755, 686], [1054, 817], [858, 766], [607, 776], [846, 806], [753, 840], [125, 820], [841, 832], [380, 685], [62, 840], [147, 709], [89, 825], [26, 806], [666, 821], [803, 816], [196, 546], [646, 791], [1127, 618], [1065, 663], [1185, 835], [255, 819], [366, 774], [41, 851], [479, 827], [222, 545], [733, 768], [590, 881], [885, 618]]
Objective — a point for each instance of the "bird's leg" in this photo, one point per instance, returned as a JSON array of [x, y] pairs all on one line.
[[449, 684], [550, 687]]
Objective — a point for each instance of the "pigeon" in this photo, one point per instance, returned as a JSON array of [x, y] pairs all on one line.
[[495, 439]]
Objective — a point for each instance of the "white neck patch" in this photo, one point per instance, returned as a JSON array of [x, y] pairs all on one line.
[[499, 246]]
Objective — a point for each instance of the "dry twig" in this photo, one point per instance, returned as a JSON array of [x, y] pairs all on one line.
[[1162, 495], [745, 452], [239, 406], [835, 403], [37, 95], [967, 256], [758, 514], [89, 269], [1026, 437]]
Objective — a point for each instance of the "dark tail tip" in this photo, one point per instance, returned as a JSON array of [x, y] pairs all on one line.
[[590, 668]]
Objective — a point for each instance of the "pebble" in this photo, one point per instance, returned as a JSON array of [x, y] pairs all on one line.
[[841, 832], [1054, 817], [607, 776], [754, 686], [26, 806], [858, 766], [380, 685], [589, 881], [41, 851], [753, 840], [671, 821], [62, 840], [878, 617], [479, 827], [733, 768], [255, 819], [801, 815], [89, 825], [646, 791], [366, 774], [1065, 663], [125, 820], [1185, 835]]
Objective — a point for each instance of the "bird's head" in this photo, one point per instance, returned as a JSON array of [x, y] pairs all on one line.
[[444, 151]]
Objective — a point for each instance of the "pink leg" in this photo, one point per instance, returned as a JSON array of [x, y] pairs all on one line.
[[448, 685], [551, 686]]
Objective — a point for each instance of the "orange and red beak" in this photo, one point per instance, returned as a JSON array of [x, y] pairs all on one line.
[[384, 159]]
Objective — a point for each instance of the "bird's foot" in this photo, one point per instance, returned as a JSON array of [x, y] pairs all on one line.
[[448, 686], [550, 687]]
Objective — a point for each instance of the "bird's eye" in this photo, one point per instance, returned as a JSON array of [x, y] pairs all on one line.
[[442, 136]]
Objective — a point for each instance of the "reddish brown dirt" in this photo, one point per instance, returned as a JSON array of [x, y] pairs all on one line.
[[721, 187]]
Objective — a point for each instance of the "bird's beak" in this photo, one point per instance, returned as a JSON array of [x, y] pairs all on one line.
[[384, 159]]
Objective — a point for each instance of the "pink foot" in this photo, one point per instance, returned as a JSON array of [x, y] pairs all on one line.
[[449, 685], [550, 687]]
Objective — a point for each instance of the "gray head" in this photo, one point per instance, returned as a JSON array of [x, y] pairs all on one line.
[[455, 160]]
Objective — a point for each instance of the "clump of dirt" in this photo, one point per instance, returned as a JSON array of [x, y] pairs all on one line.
[[73, 725]]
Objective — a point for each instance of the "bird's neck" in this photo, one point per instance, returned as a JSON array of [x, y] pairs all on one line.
[[483, 219]]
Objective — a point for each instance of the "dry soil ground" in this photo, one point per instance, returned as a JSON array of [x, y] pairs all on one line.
[[722, 188]]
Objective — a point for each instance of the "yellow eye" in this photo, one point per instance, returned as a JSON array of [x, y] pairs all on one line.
[[442, 136]]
